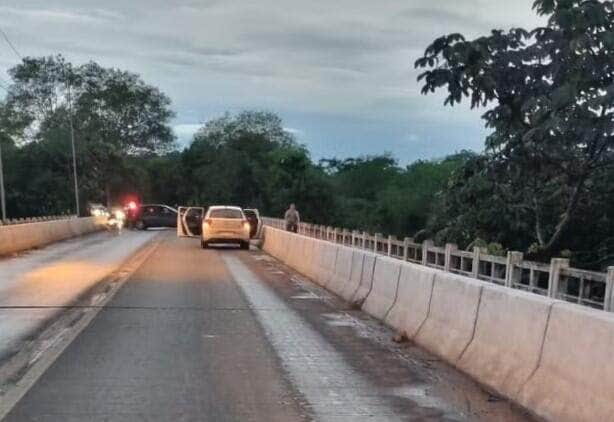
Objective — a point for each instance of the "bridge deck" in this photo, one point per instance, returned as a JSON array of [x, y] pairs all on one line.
[[230, 335]]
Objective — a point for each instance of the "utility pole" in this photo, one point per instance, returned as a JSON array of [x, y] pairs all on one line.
[[2, 198], [74, 154]]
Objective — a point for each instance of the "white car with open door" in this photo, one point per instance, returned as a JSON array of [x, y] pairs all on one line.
[[225, 224]]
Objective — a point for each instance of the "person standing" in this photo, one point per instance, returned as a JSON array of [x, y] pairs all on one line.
[[292, 219]]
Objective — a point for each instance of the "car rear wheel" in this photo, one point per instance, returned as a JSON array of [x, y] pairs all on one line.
[[204, 244], [245, 245], [140, 225]]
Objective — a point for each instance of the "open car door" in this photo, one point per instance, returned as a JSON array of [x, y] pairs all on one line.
[[189, 221], [255, 222]]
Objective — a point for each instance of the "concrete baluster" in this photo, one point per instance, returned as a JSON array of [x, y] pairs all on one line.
[[448, 255], [475, 265], [608, 300], [512, 276], [556, 264], [406, 243], [425, 251], [376, 238]]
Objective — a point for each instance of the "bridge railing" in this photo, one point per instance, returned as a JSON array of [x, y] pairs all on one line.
[[556, 279], [27, 220]]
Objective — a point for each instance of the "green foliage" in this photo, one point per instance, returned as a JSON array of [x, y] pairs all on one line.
[[115, 116], [374, 194], [551, 97]]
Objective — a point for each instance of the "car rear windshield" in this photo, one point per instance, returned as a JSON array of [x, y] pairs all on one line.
[[225, 213], [249, 213]]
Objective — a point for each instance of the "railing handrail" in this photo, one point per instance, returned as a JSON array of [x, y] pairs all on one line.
[[511, 270], [28, 220]]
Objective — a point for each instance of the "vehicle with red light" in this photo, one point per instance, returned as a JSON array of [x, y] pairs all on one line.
[[225, 224], [147, 216]]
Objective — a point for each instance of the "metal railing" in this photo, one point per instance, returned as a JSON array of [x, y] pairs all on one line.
[[26, 220], [557, 279]]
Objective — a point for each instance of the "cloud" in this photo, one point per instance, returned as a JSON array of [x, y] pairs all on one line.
[[340, 71], [62, 15]]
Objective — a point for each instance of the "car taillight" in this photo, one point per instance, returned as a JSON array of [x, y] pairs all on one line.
[[208, 221], [246, 225]]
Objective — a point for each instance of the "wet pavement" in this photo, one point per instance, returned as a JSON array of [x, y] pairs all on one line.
[[230, 335]]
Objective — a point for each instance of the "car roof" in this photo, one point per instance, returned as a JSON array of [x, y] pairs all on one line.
[[157, 205], [221, 207]]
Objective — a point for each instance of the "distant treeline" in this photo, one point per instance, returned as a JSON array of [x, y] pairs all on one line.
[[543, 186]]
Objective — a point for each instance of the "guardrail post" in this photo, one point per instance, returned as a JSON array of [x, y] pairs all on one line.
[[555, 275], [511, 275], [376, 238], [406, 242], [608, 300], [425, 251], [389, 246], [448, 255], [475, 265], [365, 236], [354, 237]]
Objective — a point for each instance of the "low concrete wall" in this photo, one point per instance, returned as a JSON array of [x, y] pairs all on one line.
[[326, 263], [450, 324], [366, 279], [356, 274], [411, 308], [21, 237], [295, 251], [507, 342], [383, 294], [343, 270], [575, 377], [552, 357]]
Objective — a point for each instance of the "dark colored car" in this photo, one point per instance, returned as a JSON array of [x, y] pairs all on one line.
[[153, 215]]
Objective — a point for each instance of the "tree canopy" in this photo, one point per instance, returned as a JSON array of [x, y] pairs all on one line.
[[550, 97], [114, 113]]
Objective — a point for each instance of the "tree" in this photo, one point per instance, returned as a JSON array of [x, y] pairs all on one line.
[[115, 115], [118, 115], [249, 159], [551, 92]]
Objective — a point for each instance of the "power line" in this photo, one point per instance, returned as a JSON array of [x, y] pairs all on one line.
[[8, 41]]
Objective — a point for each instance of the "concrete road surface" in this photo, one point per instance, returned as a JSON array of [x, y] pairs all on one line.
[[36, 285], [230, 335]]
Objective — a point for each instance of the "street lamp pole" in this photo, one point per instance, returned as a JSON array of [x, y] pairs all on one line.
[[74, 154], [2, 198]]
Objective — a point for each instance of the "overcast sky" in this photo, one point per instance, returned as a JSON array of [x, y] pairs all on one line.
[[340, 73]]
